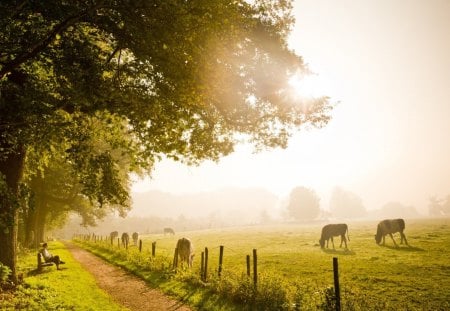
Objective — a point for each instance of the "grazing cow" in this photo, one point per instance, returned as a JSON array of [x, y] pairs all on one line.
[[331, 230], [125, 239], [113, 235], [135, 237], [169, 231], [185, 251], [389, 226]]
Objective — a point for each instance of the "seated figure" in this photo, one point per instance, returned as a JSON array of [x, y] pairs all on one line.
[[49, 257]]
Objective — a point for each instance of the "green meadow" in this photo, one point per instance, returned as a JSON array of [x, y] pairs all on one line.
[[294, 273], [292, 267]]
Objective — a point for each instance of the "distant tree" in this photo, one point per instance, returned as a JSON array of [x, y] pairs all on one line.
[[434, 206], [265, 217], [439, 207], [398, 210], [304, 204], [446, 206], [346, 204]]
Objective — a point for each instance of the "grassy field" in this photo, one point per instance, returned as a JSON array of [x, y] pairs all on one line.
[[71, 288], [372, 277]]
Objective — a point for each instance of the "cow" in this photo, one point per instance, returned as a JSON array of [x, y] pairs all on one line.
[[113, 235], [169, 231], [125, 239], [185, 250], [331, 230], [389, 226], [135, 237]]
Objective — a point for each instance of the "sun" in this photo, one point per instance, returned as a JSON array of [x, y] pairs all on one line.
[[309, 86]]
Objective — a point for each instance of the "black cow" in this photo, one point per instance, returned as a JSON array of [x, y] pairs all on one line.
[[113, 235], [389, 226], [331, 230], [125, 239]]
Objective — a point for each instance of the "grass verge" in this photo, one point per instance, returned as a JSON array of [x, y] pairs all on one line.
[[71, 288]]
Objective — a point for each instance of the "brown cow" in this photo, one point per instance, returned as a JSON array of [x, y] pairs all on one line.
[[113, 235], [125, 239], [389, 226], [185, 250], [331, 230], [135, 237], [169, 231]]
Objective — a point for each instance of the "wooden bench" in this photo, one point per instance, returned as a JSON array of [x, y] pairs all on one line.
[[41, 262]]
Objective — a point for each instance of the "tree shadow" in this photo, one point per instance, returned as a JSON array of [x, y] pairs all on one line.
[[404, 248], [343, 251], [37, 272]]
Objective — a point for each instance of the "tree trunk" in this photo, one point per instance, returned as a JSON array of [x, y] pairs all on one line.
[[28, 223], [11, 169]]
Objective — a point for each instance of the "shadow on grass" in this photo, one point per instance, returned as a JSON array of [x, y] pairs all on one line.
[[343, 251], [37, 271], [404, 248]]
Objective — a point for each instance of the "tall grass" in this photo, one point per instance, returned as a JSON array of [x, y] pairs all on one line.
[[295, 273]]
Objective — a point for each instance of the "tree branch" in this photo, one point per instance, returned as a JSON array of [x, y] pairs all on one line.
[[42, 44]]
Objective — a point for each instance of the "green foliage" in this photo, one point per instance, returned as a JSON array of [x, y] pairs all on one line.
[[5, 271], [182, 79]]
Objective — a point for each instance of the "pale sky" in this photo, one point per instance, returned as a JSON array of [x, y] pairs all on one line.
[[387, 63]]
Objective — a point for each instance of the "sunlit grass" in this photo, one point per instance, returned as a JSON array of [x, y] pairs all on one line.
[[372, 277], [71, 288]]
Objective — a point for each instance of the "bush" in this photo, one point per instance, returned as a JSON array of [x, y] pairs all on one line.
[[5, 272]]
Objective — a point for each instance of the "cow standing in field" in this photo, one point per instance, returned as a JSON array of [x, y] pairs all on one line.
[[389, 226], [169, 231], [113, 235], [331, 230], [125, 239], [135, 237], [185, 250]]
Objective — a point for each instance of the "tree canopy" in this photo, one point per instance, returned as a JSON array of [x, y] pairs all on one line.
[[181, 79], [304, 204], [346, 204]]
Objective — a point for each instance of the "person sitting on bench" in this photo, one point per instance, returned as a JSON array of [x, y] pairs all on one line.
[[48, 257]]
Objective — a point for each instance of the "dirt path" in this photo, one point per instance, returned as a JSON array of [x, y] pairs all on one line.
[[125, 288]]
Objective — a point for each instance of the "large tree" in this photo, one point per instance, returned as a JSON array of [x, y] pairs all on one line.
[[188, 79], [54, 188]]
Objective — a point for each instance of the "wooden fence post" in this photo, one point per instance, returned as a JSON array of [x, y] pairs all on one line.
[[205, 273], [118, 243], [175, 258], [202, 266], [220, 260], [248, 265], [153, 249], [255, 267], [140, 246], [336, 284]]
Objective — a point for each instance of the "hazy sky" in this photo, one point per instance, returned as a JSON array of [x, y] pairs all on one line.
[[387, 63]]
